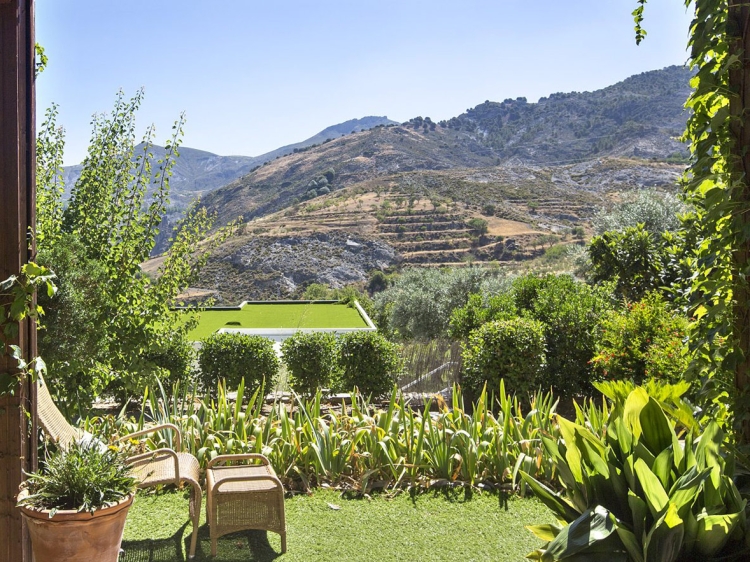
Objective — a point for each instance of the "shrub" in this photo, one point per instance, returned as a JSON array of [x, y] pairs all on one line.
[[644, 340], [556, 252], [640, 492], [378, 282], [235, 356], [478, 225], [478, 311], [318, 292], [176, 358], [571, 312], [368, 361], [310, 358], [505, 349]]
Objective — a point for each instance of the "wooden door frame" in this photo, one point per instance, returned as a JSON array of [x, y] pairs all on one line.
[[17, 214]]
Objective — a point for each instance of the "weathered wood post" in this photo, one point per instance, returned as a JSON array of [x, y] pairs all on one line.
[[17, 213]]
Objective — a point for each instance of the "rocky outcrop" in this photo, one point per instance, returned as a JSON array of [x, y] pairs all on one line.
[[279, 267]]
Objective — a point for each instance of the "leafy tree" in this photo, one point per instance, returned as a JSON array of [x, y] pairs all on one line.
[[478, 225], [479, 310], [571, 312], [110, 322], [632, 258], [657, 211], [639, 261], [419, 303]]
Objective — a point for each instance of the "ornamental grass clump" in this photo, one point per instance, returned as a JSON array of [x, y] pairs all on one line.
[[85, 477]]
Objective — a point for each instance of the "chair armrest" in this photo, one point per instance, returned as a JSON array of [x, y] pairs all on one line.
[[157, 452], [174, 428], [245, 456]]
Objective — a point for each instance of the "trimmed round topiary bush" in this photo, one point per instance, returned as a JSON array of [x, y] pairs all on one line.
[[368, 361], [505, 349], [175, 358], [310, 358], [234, 356]]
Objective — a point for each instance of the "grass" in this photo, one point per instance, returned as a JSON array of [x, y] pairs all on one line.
[[433, 526], [281, 315]]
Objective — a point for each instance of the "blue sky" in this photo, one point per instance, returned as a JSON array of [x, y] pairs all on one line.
[[252, 76]]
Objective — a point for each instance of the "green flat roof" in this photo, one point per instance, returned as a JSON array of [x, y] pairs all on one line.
[[278, 315]]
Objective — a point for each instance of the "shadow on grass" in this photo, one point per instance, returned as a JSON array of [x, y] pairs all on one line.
[[244, 545]]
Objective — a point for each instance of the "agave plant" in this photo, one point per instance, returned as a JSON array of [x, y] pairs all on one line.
[[647, 490]]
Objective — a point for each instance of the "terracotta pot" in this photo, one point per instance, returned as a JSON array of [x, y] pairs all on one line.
[[71, 536]]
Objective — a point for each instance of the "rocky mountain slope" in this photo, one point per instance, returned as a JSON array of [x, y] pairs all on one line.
[[502, 214], [640, 117], [500, 183], [197, 172]]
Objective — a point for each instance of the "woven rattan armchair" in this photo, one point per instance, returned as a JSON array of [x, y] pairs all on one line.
[[244, 496], [163, 466]]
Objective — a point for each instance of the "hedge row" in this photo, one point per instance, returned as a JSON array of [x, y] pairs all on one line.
[[314, 360]]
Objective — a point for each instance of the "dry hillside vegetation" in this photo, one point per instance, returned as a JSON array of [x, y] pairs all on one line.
[[421, 218]]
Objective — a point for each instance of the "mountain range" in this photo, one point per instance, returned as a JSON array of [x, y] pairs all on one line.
[[385, 195], [197, 172]]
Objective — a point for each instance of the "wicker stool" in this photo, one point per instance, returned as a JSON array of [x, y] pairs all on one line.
[[243, 497]]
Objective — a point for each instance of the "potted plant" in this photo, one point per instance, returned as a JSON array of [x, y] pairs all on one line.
[[75, 506]]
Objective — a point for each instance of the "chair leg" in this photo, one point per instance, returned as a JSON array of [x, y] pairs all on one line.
[[195, 516], [283, 521]]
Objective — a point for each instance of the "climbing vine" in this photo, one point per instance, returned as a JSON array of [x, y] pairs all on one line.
[[715, 183]]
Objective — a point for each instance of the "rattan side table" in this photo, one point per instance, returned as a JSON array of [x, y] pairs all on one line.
[[243, 496]]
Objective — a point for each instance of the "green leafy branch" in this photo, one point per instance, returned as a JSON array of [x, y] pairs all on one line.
[[17, 303]]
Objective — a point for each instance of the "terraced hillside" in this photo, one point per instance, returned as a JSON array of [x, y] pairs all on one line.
[[501, 183], [422, 218], [640, 117], [353, 159]]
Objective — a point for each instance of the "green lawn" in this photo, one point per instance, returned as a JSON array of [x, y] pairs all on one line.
[[281, 315], [434, 526]]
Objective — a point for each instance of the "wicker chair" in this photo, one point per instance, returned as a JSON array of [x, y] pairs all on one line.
[[163, 466], [240, 497]]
